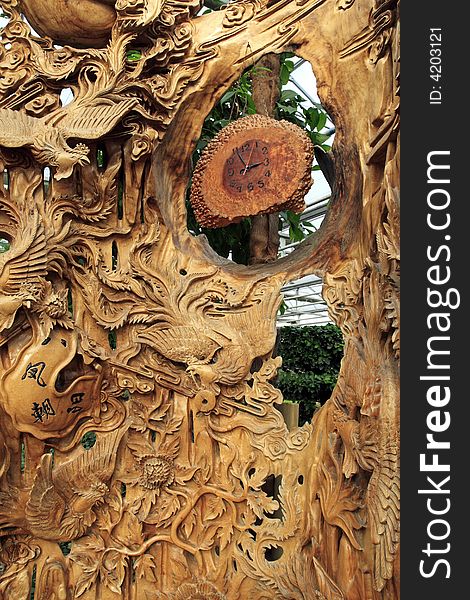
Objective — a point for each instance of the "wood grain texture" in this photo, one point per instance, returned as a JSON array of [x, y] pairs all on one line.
[[255, 165], [139, 421]]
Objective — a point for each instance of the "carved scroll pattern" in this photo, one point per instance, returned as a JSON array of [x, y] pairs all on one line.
[[114, 321]]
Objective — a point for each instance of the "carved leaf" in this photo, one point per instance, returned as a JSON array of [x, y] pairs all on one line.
[[261, 503], [166, 507], [144, 567], [113, 571]]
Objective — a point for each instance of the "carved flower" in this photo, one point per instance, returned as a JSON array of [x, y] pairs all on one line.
[[157, 472], [202, 590], [143, 144], [10, 79], [18, 552], [16, 29], [16, 56], [300, 438], [238, 14], [41, 105], [275, 447], [182, 33]]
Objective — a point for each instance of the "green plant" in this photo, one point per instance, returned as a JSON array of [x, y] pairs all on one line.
[[311, 358]]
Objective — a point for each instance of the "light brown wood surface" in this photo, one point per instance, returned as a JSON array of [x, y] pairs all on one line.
[[115, 320]]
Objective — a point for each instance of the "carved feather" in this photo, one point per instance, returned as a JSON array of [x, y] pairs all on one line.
[[17, 128], [46, 506], [27, 258], [383, 501], [92, 122], [181, 344], [94, 466]]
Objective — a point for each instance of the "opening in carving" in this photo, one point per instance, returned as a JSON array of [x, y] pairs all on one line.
[[70, 302], [66, 96], [125, 395], [4, 243], [191, 425], [121, 186], [114, 256], [272, 228], [22, 454], [88, 440], [46, 180], [33, 583], [6, 179], [65, 548], [273, 553], [300, 479], [123, 490], [142, 193], [271, 488], [67, 375], [101, 157], [112, 339], [183, 272]]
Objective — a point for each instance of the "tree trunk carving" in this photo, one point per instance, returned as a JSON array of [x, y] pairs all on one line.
[[139, 437]]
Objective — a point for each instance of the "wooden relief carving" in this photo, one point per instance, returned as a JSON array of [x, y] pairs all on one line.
[[120, 328]]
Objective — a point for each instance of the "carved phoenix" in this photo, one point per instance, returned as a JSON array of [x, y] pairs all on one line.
[[47, 137]]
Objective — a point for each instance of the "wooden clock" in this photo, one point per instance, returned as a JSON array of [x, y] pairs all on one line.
[[255, 165]]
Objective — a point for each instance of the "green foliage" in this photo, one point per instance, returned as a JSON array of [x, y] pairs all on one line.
[[311, 358], [238, 102], [4, 245]]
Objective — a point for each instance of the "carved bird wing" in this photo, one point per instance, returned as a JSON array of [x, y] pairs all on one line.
[[256, 326], [92, 466], [92, 122], [17, 128], [46, 506], [383, 501], [184, 344], [27, 258]]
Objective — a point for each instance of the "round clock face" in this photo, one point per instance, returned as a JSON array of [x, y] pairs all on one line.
[[248, 169], [253, 166]]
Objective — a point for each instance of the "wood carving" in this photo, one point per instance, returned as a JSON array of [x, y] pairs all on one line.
[[119, 327]]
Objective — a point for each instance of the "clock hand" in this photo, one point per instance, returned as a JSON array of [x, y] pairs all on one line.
[[249, 158], [248, 167], [239, 156]]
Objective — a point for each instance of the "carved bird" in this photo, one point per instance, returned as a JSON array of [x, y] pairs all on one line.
[[47, 137], [23, 266], [219, 350], [59, 506]]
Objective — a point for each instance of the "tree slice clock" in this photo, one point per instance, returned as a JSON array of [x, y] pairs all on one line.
[[255, 165]]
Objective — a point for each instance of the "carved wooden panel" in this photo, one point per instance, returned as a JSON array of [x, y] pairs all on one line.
[[115, 320]]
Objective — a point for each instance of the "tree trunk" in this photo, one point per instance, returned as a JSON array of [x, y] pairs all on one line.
[[264, 236]]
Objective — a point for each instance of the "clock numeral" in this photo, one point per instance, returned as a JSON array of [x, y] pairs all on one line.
[[232, 184], [245, 147], [230, 172], [230, 161], [266, 161], [267, 173], [250, 187], [239, 188], [264, 149], [260, 183]]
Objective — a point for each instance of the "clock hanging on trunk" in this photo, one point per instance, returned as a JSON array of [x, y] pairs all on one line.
[[255, 165]]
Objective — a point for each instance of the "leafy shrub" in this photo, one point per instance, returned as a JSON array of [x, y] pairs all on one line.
[[311, 358]]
